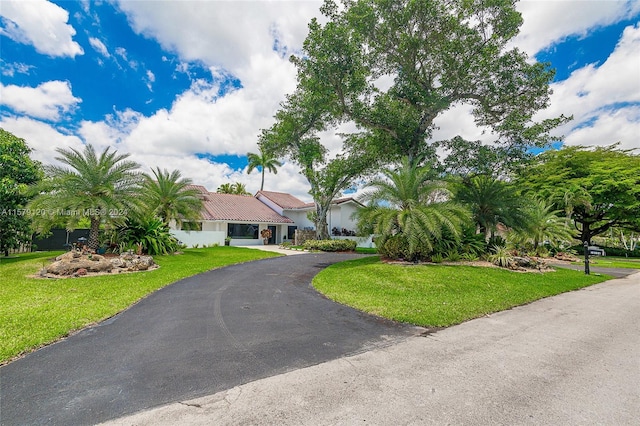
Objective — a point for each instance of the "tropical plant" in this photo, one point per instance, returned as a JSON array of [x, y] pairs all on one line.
[[544, 224], [263, 160], [167, 194], [104, 188], [409, 203], [501, 257], [149, 233], [233, 188], [492, 201]]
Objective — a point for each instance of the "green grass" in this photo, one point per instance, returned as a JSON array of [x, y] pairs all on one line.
[[613, 262], [34, 311], [366, 250], [439, 295]]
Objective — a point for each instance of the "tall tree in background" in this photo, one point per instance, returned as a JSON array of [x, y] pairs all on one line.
[[167, 195], [263, 160], [599, 188], [393, 67], [233, 188], [104, 188], [17, 173]]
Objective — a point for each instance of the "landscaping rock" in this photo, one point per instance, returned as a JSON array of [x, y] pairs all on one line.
[[69, 264], [133, 262]]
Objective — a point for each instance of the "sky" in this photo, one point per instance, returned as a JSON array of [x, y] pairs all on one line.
[[189, 85]]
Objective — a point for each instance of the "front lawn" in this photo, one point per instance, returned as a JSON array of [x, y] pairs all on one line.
[[440, 295], [613, 262], [35, 311]]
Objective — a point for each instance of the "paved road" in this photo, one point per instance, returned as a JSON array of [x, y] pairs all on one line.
[[572, 359], [203, 335]]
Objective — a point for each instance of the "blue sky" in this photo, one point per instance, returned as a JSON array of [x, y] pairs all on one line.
[[189, 85]]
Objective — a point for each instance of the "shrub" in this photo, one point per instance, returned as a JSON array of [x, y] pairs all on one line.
[[151, 235], [394, 247], [453, 256], [330, 245], [437, 258], [501, 257], [496, 242]]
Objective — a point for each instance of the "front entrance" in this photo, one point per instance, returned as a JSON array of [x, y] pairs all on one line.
[[272, 238]]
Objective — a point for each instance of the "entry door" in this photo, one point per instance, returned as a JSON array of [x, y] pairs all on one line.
[[272, 239]]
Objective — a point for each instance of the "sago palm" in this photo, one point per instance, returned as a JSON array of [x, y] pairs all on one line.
[[166, 194], [407, 203], [103, 188], [262, 161]]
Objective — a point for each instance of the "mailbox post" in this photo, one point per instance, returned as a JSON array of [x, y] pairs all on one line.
[[586, 258]]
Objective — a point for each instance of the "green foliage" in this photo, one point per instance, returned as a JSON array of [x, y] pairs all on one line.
[[406, 203], [544, 224], [453, 256], [438, 54], [151, 234], [233, 188], [597, 188], [501, 257], [496, 242], [167, 195], [437, 258], [492, 202], [18, 173], [264, 160], [104, 188], [330, 245]]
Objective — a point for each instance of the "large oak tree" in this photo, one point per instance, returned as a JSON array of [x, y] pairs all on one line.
[[393, 67]]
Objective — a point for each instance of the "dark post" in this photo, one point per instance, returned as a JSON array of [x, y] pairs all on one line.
[[586, 258]]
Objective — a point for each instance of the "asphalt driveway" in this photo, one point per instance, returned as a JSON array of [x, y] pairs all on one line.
[[202, 335]]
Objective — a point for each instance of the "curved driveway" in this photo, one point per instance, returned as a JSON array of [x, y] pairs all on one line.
[[199, 336]]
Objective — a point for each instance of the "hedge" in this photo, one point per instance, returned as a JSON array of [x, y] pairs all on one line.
[[330, 245]]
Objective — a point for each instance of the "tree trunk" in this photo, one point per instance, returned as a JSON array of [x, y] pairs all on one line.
[[93, 233], [322, 228]]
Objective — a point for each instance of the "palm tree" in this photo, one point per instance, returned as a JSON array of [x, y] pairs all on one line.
[[491, 202], [102, 188], [409, 204], [233, 188], [545, 224], [264, 161], [167, 195]]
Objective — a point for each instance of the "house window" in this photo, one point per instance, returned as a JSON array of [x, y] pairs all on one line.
[[242, 230]]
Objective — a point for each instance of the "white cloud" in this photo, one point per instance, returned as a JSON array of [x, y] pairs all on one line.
[[10, 70], [99, 47], [42, 138], [222, 34], [41, 24], [547, 22], [48, 101], [603, 100]]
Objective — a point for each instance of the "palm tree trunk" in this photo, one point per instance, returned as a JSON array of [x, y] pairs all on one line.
[[262, 184], [93, 233]]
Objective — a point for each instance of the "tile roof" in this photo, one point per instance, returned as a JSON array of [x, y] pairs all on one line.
[[284, 200], [239, 208]]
